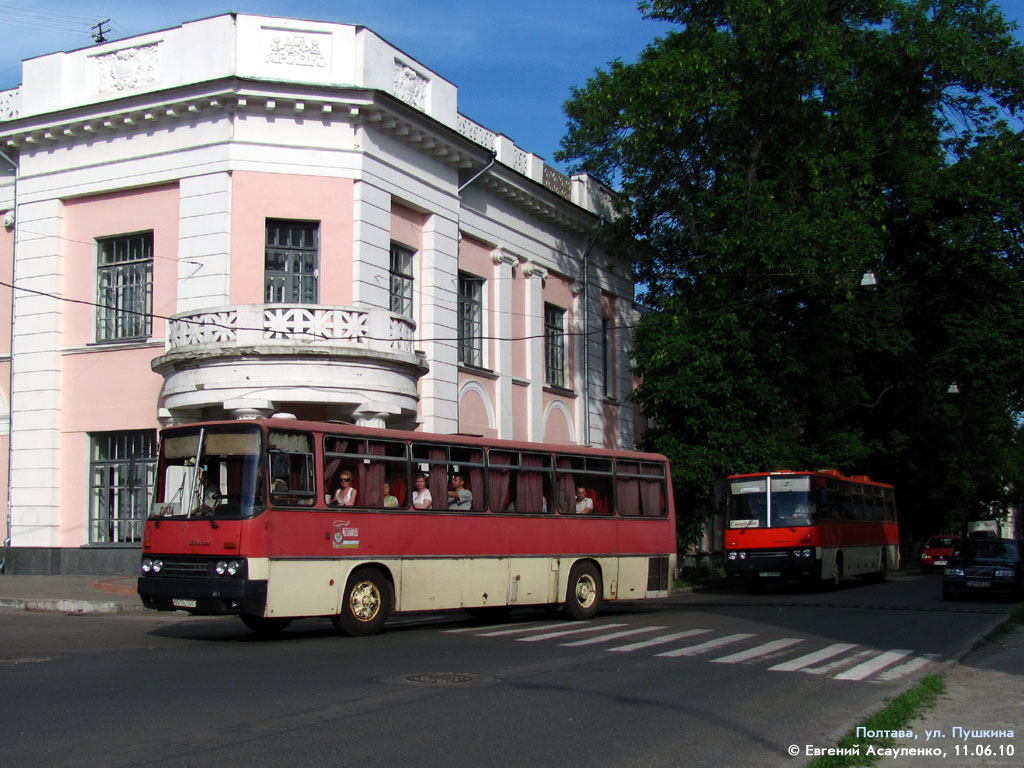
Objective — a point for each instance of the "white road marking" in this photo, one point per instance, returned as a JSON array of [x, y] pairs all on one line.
[[710, 645], [659, 640], [868, 668], [612, 636], [563, 632], [813, 658], [761, 650]]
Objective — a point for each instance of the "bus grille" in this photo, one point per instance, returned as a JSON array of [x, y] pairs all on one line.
[[759, 553], [185, 567]]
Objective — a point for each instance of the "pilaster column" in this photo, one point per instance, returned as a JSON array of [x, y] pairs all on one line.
[[36, 376], [536, 275], [437, 286], [505, 263], [204, 241]]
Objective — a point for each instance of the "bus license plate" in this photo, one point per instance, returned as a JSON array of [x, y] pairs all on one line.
[[179, 602], [769, 574], [978, 583]]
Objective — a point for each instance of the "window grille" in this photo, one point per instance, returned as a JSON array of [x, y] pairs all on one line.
[[292, 262], [554, 345], [122, 469], [124, 287], [471, 320], [401, 280]]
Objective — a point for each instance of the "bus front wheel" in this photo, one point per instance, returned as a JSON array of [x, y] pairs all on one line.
[[366, 605], [583, 595]]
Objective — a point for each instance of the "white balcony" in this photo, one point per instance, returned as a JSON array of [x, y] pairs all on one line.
[[348, 363]]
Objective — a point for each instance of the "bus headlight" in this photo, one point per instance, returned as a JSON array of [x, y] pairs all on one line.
[[227, 567], [152, 565], [743, 555], [147, 565], [732, 555]]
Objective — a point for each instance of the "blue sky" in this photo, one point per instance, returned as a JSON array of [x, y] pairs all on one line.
[[514, 62]]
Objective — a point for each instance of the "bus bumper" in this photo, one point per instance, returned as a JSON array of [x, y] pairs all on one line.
[[778, 566], [203, 596]]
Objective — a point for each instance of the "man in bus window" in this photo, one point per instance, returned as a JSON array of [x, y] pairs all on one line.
[[421, 498], [584, 504], [459, 497]]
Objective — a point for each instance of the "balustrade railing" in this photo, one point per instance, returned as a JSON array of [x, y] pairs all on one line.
[[306, 324]]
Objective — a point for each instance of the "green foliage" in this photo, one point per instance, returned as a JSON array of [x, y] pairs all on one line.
[[769, 153], [897, 715]]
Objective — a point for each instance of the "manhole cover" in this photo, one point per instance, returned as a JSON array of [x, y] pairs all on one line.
[[441, 678]]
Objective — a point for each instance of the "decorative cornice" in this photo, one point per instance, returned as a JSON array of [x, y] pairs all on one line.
[[502, 256]]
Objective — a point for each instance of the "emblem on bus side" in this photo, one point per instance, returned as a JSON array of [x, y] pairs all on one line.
[[344, 536]]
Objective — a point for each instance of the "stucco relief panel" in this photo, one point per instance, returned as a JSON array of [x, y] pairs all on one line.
[[127, 68], [296, 50], [409, 85]]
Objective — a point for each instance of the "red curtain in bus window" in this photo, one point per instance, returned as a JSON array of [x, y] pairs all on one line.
[[475, 482], [651, 498], [566, 503], [629, 496], [371, 478], [530, 485], [438, 479], [331, 468], [498, 479]]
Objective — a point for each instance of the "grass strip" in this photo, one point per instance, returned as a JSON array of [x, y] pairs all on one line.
[[895, 716]]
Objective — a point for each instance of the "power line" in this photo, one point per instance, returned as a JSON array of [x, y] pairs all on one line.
[[292, 334]]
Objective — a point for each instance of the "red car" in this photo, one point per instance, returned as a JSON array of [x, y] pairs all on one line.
[[937, 552]]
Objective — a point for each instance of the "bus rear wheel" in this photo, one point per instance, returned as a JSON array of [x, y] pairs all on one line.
[[264, 625], [583, 595], [366, 604]]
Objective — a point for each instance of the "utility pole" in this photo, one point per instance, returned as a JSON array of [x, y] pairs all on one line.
[[99, 33]]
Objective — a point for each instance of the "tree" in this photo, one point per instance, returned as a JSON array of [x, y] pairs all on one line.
[[769, 152]]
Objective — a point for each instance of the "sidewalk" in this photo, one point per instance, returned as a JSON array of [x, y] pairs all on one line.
[[71, 594], [982, 699]]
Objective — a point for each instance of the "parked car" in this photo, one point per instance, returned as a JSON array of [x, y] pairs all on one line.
[[937, 551], [985, 566]]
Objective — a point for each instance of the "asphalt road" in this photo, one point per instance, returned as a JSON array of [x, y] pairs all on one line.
[[705, 679]]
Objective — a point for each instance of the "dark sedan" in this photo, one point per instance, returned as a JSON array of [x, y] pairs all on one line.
[[985, 566]]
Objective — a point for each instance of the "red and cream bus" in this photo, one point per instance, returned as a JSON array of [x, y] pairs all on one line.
[[813, 526], [275, 519]]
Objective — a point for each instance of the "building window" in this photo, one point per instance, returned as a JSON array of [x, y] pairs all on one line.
[[608, 357], [122, 468], [124, 287], [471, 320], [401, 280], [292, 262], [554, 345]]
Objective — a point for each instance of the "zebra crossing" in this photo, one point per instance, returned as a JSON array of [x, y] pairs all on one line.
[[840, 661]]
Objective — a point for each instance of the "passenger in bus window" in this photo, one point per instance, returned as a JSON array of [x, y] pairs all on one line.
[[421, 498], [345, 496], [584, 504], [459, 497], [389, 499]]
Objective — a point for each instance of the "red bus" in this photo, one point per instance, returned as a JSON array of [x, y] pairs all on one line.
[[275, 519], [812, 526]]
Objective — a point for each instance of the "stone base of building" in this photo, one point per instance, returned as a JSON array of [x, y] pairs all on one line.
[[80, 561]]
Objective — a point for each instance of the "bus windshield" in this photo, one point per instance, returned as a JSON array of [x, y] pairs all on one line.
[[789, 505], [208, 473]]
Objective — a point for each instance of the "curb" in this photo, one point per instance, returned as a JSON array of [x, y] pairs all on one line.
[[74, 607]]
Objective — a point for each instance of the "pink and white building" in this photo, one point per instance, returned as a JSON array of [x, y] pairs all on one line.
[[249, 215]]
